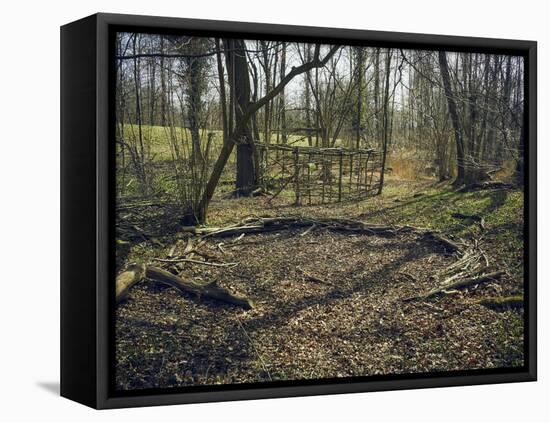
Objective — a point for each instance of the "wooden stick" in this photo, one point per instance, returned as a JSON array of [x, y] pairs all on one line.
[[462, 283], [255, 349], [314, 278], [340, 174], [308, 230], [297, 176], [204, 263]]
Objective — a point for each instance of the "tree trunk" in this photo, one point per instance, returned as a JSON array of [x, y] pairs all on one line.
[[308, 97], [358, 117], [196, 86], [282, 96], [377, 96], [246, 169], [385, 117], [140, 168], [520, 167], [162, 85], [455, 119]]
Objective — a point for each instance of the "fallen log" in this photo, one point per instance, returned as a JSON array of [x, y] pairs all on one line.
[[502, 303], [314, 278], [460, 284], [127, 279], [138, 272]]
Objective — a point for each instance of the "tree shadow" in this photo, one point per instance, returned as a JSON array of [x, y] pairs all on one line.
[[498, 199], [187, 360], [231, 356], [402, 204], [337, 293]]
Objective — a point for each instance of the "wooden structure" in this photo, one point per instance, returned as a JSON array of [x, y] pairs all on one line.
[[313, 175]]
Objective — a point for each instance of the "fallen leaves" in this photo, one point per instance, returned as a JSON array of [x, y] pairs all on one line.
[[301, 329]]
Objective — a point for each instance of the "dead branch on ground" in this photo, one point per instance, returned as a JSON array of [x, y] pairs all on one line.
[[460, 284], [138, 272]]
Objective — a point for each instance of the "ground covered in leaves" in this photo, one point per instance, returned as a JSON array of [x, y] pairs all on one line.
[[328, 304]]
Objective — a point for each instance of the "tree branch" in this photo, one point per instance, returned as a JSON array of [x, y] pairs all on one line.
[[315, 63]]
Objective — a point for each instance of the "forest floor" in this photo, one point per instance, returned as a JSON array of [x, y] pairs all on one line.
[[327, 304]]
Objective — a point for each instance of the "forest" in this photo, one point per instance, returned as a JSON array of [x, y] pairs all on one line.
[[294, 210]]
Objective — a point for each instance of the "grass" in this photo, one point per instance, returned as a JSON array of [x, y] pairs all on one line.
[[156, 139], [417, 203]]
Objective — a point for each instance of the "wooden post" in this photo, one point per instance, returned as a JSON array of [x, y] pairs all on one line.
[[340, 164], [374, 164], [267, 167], [359, 171], [367, 175], [380, 178], [283, 165], [330, 180], [350, 171], [323, 177], [296, 175], [309, 178]]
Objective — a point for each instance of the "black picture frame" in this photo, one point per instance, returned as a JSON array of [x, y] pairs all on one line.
[[87, 211]]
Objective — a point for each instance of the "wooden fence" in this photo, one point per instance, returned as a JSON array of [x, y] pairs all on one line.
[[313, 175]]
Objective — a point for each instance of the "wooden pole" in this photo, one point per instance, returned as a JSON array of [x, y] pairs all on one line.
[[350, 171], [367, 174], [283, 165], [359, 172], [309, 178], [340, 164], [330, 180], [323, 177], [297, 175], [372, 168]]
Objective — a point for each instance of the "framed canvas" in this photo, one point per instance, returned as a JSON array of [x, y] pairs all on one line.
[[257, 211]]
